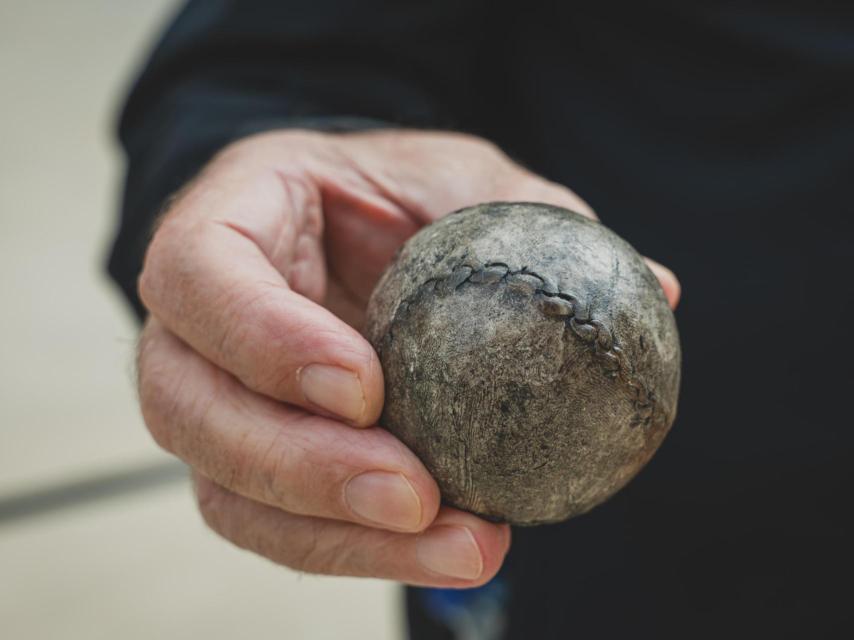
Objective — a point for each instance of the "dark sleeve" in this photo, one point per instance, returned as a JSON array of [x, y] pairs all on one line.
[[225, 69]]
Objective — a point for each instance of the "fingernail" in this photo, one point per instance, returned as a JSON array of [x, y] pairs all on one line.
[[450, 551], [334, 389], [385, 498]]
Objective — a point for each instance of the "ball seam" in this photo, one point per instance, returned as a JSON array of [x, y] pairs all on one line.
[[556, 304]]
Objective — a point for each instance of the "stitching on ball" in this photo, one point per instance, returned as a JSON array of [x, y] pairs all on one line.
[[555, 304]]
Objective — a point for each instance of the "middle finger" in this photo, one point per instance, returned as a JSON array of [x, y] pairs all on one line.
[[275, 453]]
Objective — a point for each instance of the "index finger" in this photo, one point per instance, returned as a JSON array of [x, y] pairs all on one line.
[[233, 271]]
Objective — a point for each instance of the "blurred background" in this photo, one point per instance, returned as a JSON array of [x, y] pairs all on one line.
[[99, 537]]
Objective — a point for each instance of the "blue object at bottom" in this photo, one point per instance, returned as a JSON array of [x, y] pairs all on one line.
[[470, 614]]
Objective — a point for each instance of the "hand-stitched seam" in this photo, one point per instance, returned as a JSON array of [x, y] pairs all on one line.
[[555, 304]]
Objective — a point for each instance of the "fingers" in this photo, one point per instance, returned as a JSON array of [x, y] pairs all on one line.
[[273, 453], [668, 280], [458, 550], [234, 271]]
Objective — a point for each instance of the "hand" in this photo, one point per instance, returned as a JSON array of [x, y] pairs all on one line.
[[251, 368]]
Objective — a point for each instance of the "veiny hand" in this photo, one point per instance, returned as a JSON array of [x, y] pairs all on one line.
[[251, 369]]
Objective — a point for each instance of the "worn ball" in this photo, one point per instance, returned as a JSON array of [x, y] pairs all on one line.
[[531, 360]]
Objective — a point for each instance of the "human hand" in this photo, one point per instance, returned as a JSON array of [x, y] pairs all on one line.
[[251, 368]]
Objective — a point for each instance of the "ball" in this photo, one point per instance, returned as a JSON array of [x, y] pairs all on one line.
[[531, 359]]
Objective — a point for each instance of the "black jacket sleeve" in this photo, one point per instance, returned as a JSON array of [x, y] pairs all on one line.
[[225, 69]]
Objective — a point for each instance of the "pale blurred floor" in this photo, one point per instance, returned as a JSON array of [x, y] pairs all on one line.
[[136, 564]]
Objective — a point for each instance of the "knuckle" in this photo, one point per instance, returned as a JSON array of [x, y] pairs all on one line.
[[150, 284], [154, 392], [253, 340], [273, 470], [211, 505], [239, 325], [164, 399], [306, 556], [145, 285], [247, 466], [291, 477], [322, 550]]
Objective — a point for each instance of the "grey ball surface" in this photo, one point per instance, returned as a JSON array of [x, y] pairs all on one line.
[[531, 360]]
